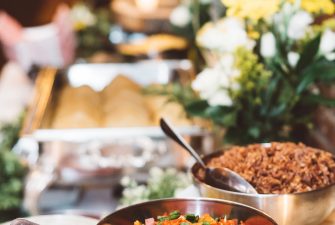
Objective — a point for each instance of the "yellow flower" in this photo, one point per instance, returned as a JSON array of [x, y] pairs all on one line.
[[318, 6], [251, 9], [258, 9]]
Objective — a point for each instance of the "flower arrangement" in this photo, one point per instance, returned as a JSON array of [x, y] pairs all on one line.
[[161, 184], [265, 62]]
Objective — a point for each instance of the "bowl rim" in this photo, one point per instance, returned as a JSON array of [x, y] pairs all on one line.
[[195, 167], [195, 199]]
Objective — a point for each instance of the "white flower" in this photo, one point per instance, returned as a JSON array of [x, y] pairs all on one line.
[[180, 16], [298, 24], [213, 84], [330, 56], [293, 58], [268, 45], [327, 44], [207, 82], [125, 181], [224, 36], [81, 16], [156, 172], [221, 97], [227, 61]]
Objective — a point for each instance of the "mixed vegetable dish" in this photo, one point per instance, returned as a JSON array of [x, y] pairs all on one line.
[[176, 218]]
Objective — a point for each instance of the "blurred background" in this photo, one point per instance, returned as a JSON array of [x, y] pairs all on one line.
[[83, 84]]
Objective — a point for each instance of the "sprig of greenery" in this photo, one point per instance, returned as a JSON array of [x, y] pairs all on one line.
[[12, 171], [161, 184]]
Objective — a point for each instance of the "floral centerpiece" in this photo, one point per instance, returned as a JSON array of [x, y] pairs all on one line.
[[265, 62]]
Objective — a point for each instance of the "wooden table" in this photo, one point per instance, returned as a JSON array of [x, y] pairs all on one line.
[[330, 220]]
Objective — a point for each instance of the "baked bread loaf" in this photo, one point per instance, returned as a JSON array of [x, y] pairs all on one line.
[[77, 108], [120, 104]]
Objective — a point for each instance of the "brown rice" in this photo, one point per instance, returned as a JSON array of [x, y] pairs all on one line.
[[281, 167]]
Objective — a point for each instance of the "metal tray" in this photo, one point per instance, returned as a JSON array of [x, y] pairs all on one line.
[[97, 76]]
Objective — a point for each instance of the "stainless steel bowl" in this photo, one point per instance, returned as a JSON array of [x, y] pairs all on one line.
[[142, 211], [307, 208]]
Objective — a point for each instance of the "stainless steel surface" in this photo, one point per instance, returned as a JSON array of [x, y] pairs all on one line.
[[214, 207], [307, 208], [217, 177]]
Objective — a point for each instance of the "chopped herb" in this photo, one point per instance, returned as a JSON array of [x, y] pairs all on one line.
[[174, 215], [162, 218], [206, 223], [192, 218]]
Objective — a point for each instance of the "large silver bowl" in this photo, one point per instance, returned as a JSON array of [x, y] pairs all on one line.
[[142, 211], [307, 208]]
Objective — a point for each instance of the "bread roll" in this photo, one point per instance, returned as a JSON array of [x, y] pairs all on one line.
[[124, 104], [161, 107], [120, 83], [77, 108]]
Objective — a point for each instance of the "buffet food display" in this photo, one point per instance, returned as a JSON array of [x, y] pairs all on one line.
[[120, 104], [104, 99], [280, 168], [93, 124], [222, 76], [288, 176], [188, 211]]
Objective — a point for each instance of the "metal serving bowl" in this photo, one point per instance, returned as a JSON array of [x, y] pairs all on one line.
[[214, 207], [307, 208]]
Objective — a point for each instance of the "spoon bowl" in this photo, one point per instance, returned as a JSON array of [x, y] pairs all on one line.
[[222, 178]]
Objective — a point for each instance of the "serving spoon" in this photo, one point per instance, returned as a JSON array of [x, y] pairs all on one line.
[[222, 178]]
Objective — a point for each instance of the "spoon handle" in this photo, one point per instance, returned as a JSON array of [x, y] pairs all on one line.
[[170, 132]]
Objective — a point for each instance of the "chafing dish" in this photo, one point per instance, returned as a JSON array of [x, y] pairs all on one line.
[[100, 156], [307, 208]]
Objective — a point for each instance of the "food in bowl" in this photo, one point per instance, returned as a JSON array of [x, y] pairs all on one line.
[[213, 207], [280, 168], [176, 218]]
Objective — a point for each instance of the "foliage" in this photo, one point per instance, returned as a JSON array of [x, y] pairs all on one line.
[[267, 91], [161, 184], [12, 170], [92, 26]]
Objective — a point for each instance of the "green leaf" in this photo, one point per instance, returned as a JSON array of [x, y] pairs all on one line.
[[308, 79], [214, 111], [197, 108], [321, 71], [318, 99], [324, 70], [254, 132], [268, 95], [309, 53], [278, 110], [228, 119]]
